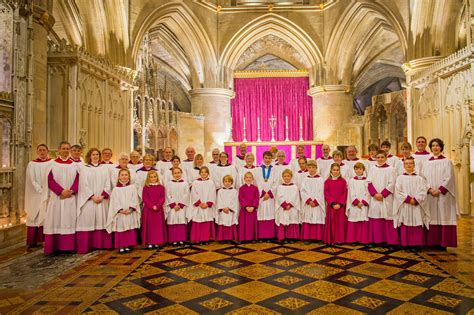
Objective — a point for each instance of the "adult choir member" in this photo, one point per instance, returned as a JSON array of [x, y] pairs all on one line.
[[123, 164], [76, 154], [106, 155], [164, 164], [392, 160], [248, 167], [223, 168], [239, 160], [421, 154], [135, 162], [300, 153], [324, 162], [352, 159], [280, 165], [193, 173], [188, 163], [215, 160], [267, 183], [142, 173]]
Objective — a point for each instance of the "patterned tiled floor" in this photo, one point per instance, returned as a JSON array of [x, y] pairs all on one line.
[[261, 278]]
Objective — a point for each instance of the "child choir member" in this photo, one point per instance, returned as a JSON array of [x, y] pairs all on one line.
[[405, 148], [203, 211], [313, 204], [122, 165], [357, 207], [123, 218], [248, 167], [36, 195], [227, 211], [61, 212], [177, 203], [391, 160], [142, 173], [165, 163], [248, 199], [267, 183], [287, 215], [294, 163], [239, 160], [93, 205], [135, 163], [344, 170], [302, 172], [381, 187], [223, 168], [153, 213], [324, 162], [421, 154], [409, 206], [335, 195], [193, 173], [441, 200], [167, 174]]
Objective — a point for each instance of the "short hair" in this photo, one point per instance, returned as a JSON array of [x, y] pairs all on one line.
[[287, 171], [249, 154], [300, 146], [281, 151], [410, 158], [273, 149], [359, 165], [176, 168], [386, 143], [381, 152], [89, 153], [196, 157], [42, 145], [123, 170], [303, 158], [214, 151], [149, 156], [248, 173], [267, 153], [204, 168], [229, 178], [123, 155], [106, 149], [352, 146], [406, 145], [337, 152], [62, 143], [421, 137], [76, 146], [147, 180], [373, 147], [438, 141], [175, 157], [312, 163], [226, 155]]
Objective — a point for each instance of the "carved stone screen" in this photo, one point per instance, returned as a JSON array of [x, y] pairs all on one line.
[[6, 29]]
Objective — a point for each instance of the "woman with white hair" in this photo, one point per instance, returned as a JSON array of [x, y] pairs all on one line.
[[123, 159]]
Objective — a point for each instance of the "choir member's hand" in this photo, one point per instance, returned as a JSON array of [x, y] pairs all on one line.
[[288, 207], [123, 211], [360, 205], [412, 202], [266, 196], [378, 197], [177, 208], [155, 208], [203, 205], [66, 193], [336, 206], [225, 210], [312, 204], [250, 209]]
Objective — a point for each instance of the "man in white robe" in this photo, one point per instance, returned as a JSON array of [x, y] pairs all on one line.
[[239, 159], [300, 153], [135, 162], [352, 159], [324, 162], [165, 164], [188, 163]]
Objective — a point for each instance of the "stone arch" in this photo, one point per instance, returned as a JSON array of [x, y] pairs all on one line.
[[271, 24], [179, 19]]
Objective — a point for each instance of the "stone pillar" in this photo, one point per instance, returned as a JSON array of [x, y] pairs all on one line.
[[332, 109], [214, 104]]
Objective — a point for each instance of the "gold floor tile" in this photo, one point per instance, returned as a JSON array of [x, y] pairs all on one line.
[[259, 246], [214, 246], [184, 291], [288, 280], [369, 302], [406, 255], [325, 291], [138, 304], [340, 262], [425, 267], [186, 251], [175, 309], [331, 250], [101, 309], [416, 278], [174, 263], [257, 271], [253, 309], [394, 289], [316, 271], [445, 301], [229, 263], [258, 257], [215, 303], [206, 257], [159, 280], [361, 255], [197, 272], [128, 289], [453, 286], [234, 251], [352, 279], [285, 263], [303, 246], [376, 270], [224, 280], [395, 261], [145, 271], [332, 309], [161, 256], [282, 250], [254, 291], [292, 303], [415, 309], [309, 256]]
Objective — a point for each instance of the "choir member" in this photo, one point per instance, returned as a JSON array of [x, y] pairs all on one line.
[[153, 213], [177, 203], [93, 205], [188, 163], [351, 160], [223, 168], [239, 160], [358, 207], [123, 218], [107, 157], [36, 195], [273, 150], [441, 200], [371, 160], [215, 160], [167, 174], [76, 153], [227, 211], [421, 154], [203, 210], [405, 148], [324, 162], [392, 160], [335, 195], [123, 163], [300, 153], [287, 215], [61, 212], [280, 165], [248, 199], [248, 167], [164, 164], [193, 173], [345, 172], [313, 204], [135, 162], [381, 187], [267, 183], [409, 206], [142, 173], [302, 171]]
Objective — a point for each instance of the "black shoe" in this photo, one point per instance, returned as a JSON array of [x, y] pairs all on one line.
[[122, 251], [156, 246], [150, 246], [127, 249]]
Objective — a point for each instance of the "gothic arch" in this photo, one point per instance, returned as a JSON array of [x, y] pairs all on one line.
[[271, 24]]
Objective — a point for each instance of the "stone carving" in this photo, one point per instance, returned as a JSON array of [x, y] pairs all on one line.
[[6, 46]]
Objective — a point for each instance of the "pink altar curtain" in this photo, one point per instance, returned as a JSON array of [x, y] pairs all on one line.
[[264, 97]]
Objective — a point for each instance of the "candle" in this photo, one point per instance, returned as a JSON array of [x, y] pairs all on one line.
[[258, 122], [301, 121], [244, 122], [286, 122]]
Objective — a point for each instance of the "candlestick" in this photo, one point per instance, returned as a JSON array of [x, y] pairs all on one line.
[[245, 131], [273, 125], [258, 129], [301, 128], [286, 129]]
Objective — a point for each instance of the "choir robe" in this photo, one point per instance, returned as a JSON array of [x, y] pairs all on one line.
[[134, 167], [177, 193], [335, 192], [186, 165], [418, 166], [192, 174], [220, 171], [382, 180], [312, 219], [140, 178], [60, 217], [202, 226], [421, 156], [162, 166], [248, 197], [124, 226], [350, 165], [439, 174], [288, 221], [278, 168], [36, 199], [238, 162], [369, 163], [211, 165], [168, 176], [227, 222], [393, 161], [299, 176], [411, 218], [114, 175], [358, 220], [92, 217], [346, 171], [294, 166], [153, 221], [79, 163], [324, 166], [266, 208], [241, 174]]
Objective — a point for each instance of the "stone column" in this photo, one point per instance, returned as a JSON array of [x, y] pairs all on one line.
[[214, 104], [332, 109]]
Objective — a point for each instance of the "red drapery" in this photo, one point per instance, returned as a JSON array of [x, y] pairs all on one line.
[[263, 97]]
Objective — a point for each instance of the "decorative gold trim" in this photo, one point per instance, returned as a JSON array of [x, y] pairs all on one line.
[[271, 74], [254, 143], [6, 96]]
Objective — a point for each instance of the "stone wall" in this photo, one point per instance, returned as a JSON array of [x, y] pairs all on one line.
[[190, 133]]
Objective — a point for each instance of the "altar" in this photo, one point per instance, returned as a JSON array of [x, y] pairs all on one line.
[[312, 149]]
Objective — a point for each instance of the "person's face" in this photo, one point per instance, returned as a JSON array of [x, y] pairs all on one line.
[[435, 148], [359, 171], [337, 158], [286, 178], [302, 164], [177, 174], [215, 156], [175, 162], [167, 154], [281, 157], [199, 161], [123, 177], [301, 152], [153, 178], [135, 157], [106, 155], [409, 165], [227, 183], [326, 150], [243, 150], [351, 153], [372, 153], [312, 169], [335, 171], [406, 151], [249, 160], [380, 159], [421, 144], [385, 148], [76, 153], [267, 160], [42, 152], [190, 152], [223, 159], [248, 179], [64, 150], [95, 157], [147, 162], [123, 161], [204, 173]]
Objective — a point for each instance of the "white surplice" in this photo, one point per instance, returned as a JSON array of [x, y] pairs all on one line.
[[123, 197], [227, 198], [177, 192], [313, 188], [36, 191], [288, 194]]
